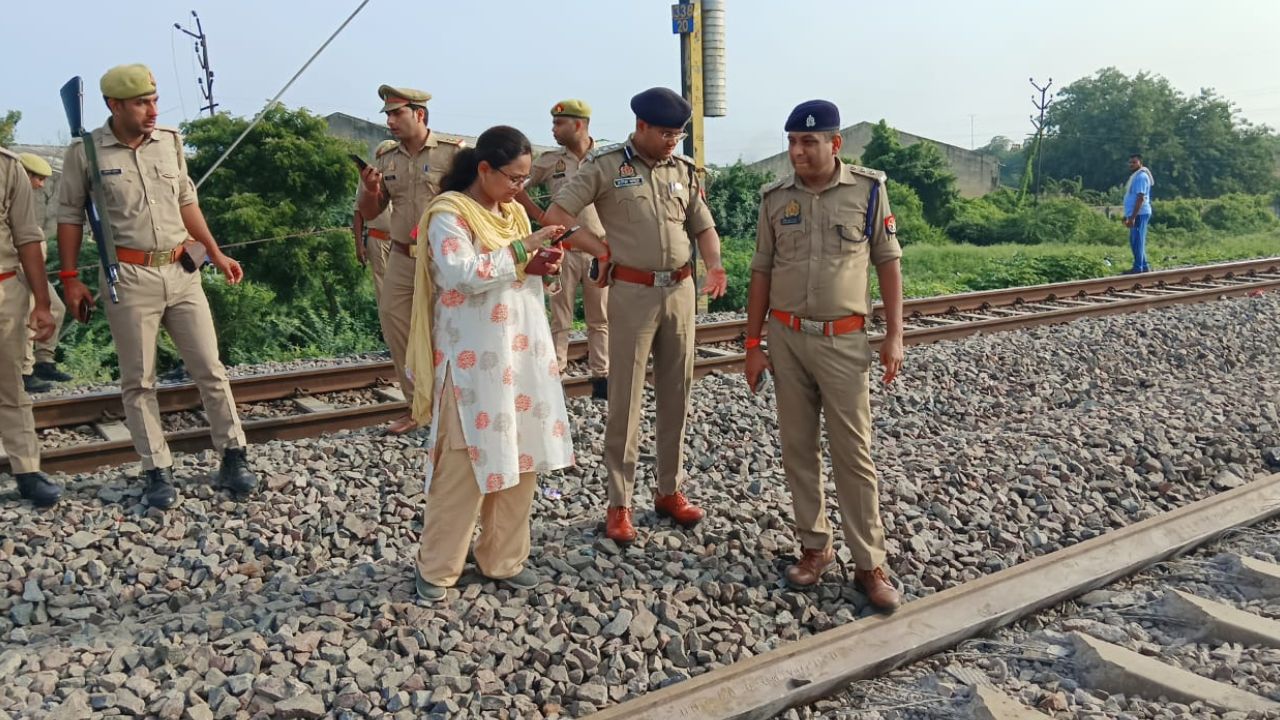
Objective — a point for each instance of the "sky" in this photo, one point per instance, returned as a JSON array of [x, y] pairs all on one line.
[[951, 71]]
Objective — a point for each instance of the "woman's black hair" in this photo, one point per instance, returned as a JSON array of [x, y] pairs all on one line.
[[499, 146]]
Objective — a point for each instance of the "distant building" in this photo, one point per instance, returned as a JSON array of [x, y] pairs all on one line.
[[976, 174]]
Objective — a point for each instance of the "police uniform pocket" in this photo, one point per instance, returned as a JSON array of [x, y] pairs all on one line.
[[119, 184], [637, 206], [844, 238], [792, 242], [169, 176], [676, 207]]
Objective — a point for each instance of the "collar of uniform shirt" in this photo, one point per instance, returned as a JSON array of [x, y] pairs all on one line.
[[844, 175]]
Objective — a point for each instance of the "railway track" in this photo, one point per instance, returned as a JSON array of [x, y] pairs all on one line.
[[927, 320], [1071, 653]]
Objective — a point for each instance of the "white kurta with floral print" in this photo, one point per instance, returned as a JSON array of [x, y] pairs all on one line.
[[490, 331]]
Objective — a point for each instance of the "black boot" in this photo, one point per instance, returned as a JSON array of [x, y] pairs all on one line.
[[36, 487], [160, 493], [32, 384], [600, 388], [49, 371], [235, 474]]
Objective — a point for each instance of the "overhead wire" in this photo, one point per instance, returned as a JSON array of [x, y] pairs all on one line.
[[272, 102]]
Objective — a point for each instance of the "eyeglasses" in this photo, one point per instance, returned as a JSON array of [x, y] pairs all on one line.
[[516, 180], [670, 136]]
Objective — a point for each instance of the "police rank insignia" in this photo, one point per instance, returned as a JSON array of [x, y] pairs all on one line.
[[891, 225], [560, 167], [627, 177], [791, 213]]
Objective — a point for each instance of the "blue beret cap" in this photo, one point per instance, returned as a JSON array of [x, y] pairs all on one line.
[[662, 107], [814, 116]]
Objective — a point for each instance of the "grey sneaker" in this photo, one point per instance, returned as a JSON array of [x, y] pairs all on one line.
[[526, 579], [428, 591]]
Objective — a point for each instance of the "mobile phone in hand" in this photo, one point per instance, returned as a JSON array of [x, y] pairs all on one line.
[[566, 235], [359, 161]]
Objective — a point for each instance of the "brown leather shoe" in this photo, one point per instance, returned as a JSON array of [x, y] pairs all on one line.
[[878, 589], [678, 508], [812, 564], [402, 425], [618, 527]]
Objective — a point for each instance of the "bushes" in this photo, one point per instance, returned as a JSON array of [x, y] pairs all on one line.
[[1237, 213], [982, 221]]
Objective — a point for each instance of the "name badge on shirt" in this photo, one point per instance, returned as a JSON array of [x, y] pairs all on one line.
[[623, 182], [388, 177], [110, 171], [557, 176]]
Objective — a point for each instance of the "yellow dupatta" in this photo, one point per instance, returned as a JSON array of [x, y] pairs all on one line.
[[494, 233]]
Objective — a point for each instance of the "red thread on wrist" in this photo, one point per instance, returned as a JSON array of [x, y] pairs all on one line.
[[752, 343], [68, 274]]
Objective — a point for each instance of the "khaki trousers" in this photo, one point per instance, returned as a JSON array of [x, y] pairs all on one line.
[[43, 351], [394, 311], [17, 424], [378, 252], [828, 376], [573, 272], [454, 502], [645, 319], [172, 297]]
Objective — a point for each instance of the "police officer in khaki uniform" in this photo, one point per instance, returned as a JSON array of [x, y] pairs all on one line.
[[401, 180], [373, 239], [150, 204], [570, 120], [650, 203], [20, 258], [39, 367], [819, 231]]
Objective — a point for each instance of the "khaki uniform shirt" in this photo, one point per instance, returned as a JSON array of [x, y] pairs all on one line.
[[382, 222], [18, 224], [814, 244], [649, 209], [144, 189], [553, 169], [411, 181]]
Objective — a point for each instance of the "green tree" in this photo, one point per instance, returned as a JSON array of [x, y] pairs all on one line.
[[8, 125], [733, 194], [921, 166], [288, 179], [1195, 146], [1011, 160]]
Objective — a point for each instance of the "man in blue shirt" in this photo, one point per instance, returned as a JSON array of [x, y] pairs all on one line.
[[1137, 211]]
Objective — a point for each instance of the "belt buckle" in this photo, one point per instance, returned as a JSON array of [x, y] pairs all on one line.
[[812, 327], [663, 278], [158, 258]]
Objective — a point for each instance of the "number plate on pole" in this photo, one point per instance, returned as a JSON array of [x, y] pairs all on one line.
[[682, 19]]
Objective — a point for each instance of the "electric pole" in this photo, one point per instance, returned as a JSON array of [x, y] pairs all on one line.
[[1038, 123], [202, 54]]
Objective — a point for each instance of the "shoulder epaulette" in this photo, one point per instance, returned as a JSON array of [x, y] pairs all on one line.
[[780, 182], [9, 153], [166, 128], [384, 150], [461, 143], [601, 152], [868, 172]]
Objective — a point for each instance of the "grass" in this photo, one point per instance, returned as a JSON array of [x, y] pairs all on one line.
[[944, 269]]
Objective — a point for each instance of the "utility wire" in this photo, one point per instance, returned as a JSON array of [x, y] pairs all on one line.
[[274, 100]]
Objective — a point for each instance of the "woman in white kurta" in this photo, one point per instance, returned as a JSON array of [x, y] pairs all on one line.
[[496, 399]]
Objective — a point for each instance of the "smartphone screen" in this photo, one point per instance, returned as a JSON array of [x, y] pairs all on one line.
[[566, 235], [359, 161]]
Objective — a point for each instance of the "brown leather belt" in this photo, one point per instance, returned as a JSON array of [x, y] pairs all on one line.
[[405, 248], [378, 234], [157, 258], [853, 323], [660, 278], [6, 276]]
